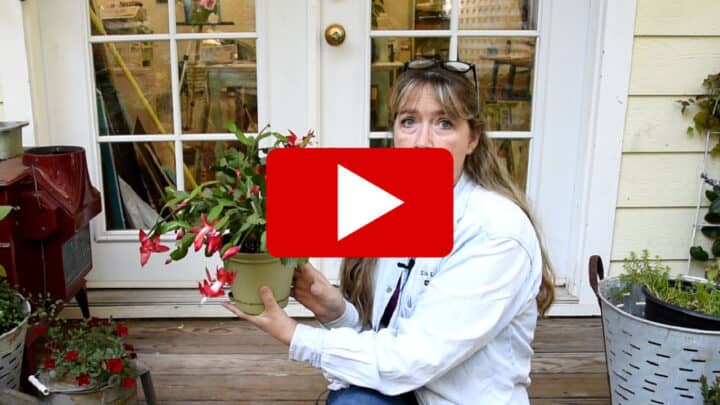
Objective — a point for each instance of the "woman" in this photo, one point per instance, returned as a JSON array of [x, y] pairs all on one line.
[[452, 330]]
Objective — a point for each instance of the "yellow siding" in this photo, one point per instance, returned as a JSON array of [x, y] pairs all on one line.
[[2, 105], [677, 44], [677, 17]]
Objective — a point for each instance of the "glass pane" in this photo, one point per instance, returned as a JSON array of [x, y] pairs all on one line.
[[498, 14], [126, 73], [134, 177], [215, 15], [389, 55], [218, 83], [199, 157], [381, 143], [128, 17], [515, 155], [408, 15], [505, 72]]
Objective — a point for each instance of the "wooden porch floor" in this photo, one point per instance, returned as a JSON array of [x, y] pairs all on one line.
[[227, 361]]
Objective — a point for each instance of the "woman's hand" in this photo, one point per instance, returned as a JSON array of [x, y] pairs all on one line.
[[273, 321], [314, 291]]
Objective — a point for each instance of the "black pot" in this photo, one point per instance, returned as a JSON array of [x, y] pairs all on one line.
[[666, 313]]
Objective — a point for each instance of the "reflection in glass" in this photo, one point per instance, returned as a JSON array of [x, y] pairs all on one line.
[[218, 82], [134, 177], [498, 14], [215, 16], [381, 143], [389, 55], [199, 157], [134, 81], [115, 17], [505, 74], [411, 14], [514, 154]]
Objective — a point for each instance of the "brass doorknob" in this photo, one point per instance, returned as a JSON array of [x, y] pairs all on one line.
[[335, 34]]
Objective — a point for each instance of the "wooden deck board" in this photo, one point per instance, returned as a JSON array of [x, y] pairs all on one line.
[[227, 361]]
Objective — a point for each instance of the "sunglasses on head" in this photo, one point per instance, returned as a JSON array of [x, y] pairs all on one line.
[[455, 66]]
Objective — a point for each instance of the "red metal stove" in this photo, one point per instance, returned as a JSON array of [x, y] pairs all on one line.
[[45, 241]]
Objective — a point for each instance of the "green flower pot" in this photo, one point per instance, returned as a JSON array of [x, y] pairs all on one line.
[[255, 270]]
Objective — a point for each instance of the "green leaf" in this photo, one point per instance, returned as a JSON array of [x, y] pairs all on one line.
[[690, 130], [712, 232], [712, 218], [698, 253], [215, 212], [4, 211], [254, 219], [711, 195], [3, 273], [263, 242], [715, 250]]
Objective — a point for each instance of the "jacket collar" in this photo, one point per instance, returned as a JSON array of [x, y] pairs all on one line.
[[461, 193]]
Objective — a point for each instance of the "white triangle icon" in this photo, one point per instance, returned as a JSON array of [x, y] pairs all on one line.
[[360, 202]]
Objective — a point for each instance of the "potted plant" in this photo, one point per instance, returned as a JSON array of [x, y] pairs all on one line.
[[226, 216], [14, 314], [87, 362], [689, 302]]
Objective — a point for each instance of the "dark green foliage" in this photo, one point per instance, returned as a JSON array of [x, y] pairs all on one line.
[[642, 271], [710, 393], [11, 313]]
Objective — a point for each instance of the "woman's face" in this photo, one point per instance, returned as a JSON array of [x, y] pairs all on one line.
[[421, 123]]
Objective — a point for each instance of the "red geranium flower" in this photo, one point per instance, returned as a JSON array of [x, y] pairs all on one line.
[[71, 355], [128, 347], [83, 379], [121, 330], [127, 382], [115, 366], [49, 362]]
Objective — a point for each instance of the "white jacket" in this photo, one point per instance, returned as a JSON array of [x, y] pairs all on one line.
[[464, 323]]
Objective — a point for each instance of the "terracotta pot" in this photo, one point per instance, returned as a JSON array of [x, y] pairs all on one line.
[[255, 270]]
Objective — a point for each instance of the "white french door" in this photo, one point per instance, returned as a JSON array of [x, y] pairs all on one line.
[[267, 61]]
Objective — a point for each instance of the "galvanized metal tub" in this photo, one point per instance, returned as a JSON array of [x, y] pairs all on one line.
[[649, 362]]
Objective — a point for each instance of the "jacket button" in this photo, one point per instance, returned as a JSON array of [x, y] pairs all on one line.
[[389, 290]]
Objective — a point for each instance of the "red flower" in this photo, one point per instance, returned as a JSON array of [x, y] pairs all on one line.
[[49, 362], [127, 382], [115, 366], [212, 287], [201, 231], [128, 347], [292, 140], [71, 355], [232, 251], [214, 242], [95, 322], [255, 190], [121, 330], [148, 246], [83, 379]]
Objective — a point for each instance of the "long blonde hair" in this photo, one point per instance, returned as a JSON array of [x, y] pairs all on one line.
[[459, 99]]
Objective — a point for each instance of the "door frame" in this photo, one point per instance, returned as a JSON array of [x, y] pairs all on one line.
[[597, 182]]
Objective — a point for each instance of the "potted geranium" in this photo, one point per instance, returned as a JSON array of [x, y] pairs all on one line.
[[87, 361], [14, 314], [226, 217]]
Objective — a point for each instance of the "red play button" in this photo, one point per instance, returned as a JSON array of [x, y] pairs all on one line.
[[359, 202]]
